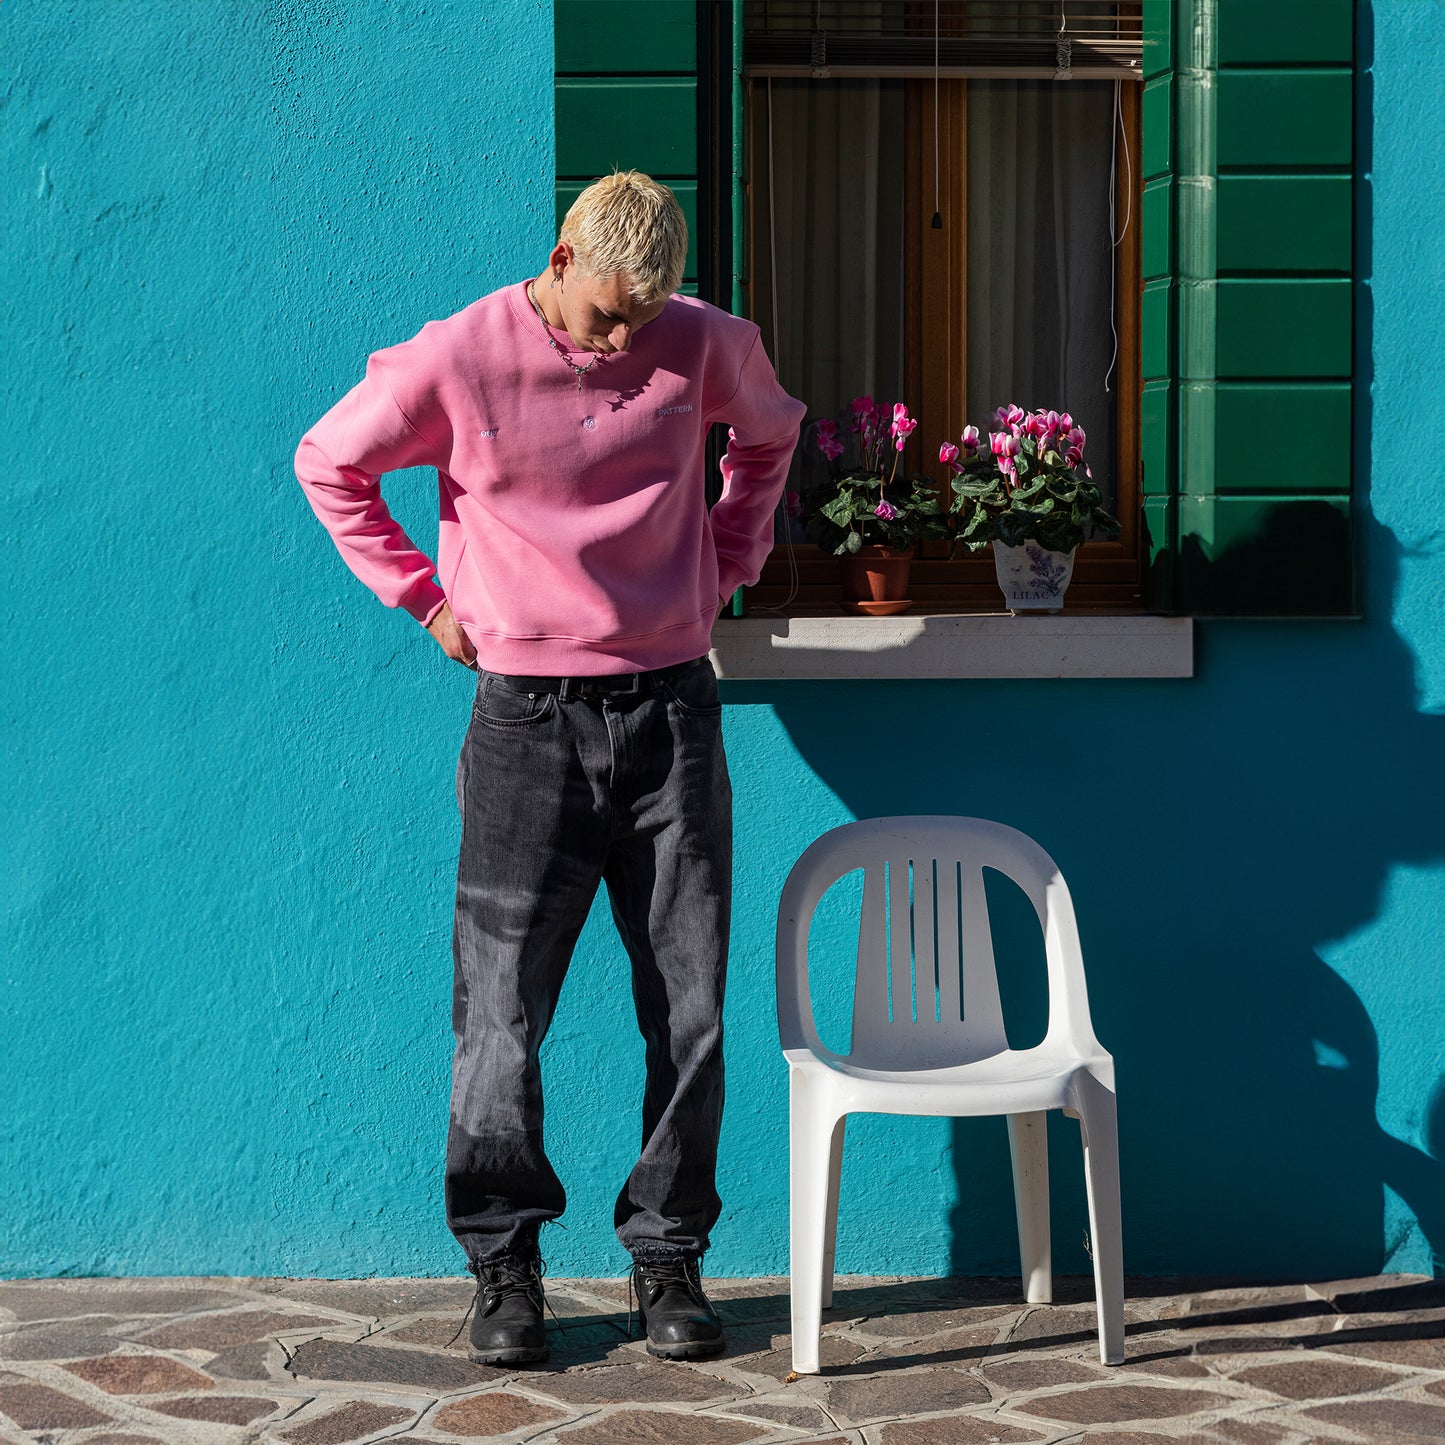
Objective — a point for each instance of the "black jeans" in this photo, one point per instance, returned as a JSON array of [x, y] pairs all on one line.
[[556, 795]]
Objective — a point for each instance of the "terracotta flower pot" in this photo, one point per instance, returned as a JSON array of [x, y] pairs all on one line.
[[875, 580]]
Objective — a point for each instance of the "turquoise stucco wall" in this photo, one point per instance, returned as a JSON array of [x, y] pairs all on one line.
[[230, 828]]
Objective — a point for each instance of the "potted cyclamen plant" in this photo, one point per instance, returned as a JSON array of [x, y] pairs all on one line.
[[1031, 494], [873, 522]]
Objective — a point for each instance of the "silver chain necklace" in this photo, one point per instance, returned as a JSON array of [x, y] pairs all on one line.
[[578, 371]]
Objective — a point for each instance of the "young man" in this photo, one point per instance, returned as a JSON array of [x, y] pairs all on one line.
[[580, 574]]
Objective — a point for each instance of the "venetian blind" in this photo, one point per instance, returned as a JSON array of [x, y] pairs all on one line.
[[977, 39]]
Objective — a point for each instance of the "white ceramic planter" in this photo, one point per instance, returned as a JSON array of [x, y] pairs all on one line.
[[1032, 578]]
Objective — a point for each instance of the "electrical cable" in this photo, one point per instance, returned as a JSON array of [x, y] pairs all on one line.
[[1115, 131], [793, 576]]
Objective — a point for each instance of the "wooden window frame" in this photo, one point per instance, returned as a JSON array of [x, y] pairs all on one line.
[[1106, 574]]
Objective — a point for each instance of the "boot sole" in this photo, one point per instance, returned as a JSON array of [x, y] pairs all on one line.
[[688, 1350], [531, 1355]]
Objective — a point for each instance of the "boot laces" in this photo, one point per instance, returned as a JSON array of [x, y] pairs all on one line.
[[655, 1276], [502, 1279], [505, 1278]]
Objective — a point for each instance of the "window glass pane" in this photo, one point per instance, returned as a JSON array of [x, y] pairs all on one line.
[[829, 203], [1040, 262], [828, 286]]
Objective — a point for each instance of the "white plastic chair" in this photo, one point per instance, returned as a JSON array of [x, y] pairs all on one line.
[[924, 926]]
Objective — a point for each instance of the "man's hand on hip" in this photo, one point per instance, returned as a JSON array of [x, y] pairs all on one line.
[[451, 639]]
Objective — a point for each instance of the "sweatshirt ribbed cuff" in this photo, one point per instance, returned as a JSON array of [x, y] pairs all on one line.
[[730, 577], [424, 601]]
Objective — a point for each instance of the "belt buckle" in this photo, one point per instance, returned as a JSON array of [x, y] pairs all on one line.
[[590, 688]]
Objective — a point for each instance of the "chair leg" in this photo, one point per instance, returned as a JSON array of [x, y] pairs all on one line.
[[1029, 1150], [814, 1138], [830, 1218], [1099, 1121]]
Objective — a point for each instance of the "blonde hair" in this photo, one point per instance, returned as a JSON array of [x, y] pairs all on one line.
[[631, 224]]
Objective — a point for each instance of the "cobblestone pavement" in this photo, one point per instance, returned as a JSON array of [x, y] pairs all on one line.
[[906, 1362]]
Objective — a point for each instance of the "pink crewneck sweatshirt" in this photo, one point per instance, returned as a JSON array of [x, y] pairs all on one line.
[[574, 535]]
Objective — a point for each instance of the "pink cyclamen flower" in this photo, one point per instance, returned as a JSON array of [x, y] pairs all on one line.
[[862, 405], [1005, 448], [970, 438], [1036, 425], [1052, 423], [1076, 438], [885, 512], [948, 454], [1014, 417]]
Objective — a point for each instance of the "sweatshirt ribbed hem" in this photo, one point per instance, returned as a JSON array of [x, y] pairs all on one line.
[[575, 657]]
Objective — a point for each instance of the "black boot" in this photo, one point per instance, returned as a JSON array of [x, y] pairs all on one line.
[[681, 1322], [507, 1327]]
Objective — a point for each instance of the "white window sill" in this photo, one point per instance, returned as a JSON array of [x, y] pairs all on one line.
[[954, 644]]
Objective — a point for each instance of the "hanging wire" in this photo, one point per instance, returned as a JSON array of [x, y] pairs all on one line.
[[937, 209], [773, 231], [1063, 48], [1128, 168], [793, 574], [1115, 131]]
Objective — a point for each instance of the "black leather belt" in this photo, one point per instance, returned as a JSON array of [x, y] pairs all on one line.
[[622, 684]]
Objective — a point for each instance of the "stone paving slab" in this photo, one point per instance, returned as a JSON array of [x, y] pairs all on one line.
[[905, 1362]]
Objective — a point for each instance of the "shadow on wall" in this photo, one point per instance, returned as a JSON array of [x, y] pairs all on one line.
[[1214, 832], [1298, 560]]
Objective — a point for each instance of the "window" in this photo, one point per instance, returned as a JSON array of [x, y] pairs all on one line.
[[1026, 289]]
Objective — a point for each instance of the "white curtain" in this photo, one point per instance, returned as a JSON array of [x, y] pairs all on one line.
[[1040, 261], [837, 193]]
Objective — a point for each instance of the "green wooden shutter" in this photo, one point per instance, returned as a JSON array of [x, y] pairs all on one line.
[[627, 93], [1247, 313]]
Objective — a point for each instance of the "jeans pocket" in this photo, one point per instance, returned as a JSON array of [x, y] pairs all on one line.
[[498, 706], [694, 690]]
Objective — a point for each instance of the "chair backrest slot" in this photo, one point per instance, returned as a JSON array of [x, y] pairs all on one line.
[[948, 933], [925, 941]]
